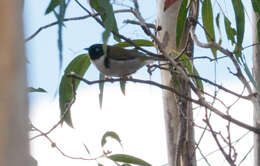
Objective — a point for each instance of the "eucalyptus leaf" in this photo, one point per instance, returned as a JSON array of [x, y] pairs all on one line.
[[138, 42], [250, 76], [219, 29], [31, 89], [192, 71], [258, 29], [207, 19], [175, 79], [110, 134], [105, 9], [79, 66], [240, 24], [256, 5], [231, 32], [52, 5], [181, 20], [128, 159]]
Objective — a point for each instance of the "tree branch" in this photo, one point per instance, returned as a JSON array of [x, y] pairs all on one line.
[[200, 101]]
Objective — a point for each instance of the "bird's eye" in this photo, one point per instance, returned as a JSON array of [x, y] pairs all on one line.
[[97, 49]]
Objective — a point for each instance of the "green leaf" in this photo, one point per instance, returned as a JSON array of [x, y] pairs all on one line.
[[105, 9], [256, 5], [217, 20], [175, 79], [122, 86], [187, 64], [258, 29], [128, 159], [79, 66], [249, 75], [101, 89], [138, 42], [240, 24], [207, 19], [198, 81], [31, 89], [52, 5], [192, 71], [219, 29], [181, 20], [231, 32], [111, 134]]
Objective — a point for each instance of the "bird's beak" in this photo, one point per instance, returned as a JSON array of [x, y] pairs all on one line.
[[86, 49]]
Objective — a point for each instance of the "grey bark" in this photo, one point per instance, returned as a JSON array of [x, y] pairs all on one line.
[[14, 149], [178, 112], [256, 71]]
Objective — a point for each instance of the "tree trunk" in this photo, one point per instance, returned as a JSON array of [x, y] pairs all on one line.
[[256, 71], [14, 148], [178, 112]]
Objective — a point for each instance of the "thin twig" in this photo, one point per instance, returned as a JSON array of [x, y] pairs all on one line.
[[68, 108], [250, 150], [200, 101], [54, 145], [227, 157], [224, 51], [149, 25], [71, 19]]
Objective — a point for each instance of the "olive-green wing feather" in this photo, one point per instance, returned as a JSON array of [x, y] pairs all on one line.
[[119, 53]]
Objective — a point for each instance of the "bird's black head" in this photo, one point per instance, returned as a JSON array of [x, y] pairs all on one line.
[[95, 51]]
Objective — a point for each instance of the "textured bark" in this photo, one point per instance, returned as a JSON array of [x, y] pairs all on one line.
[[178, 112], [14, 149], [256, 71]]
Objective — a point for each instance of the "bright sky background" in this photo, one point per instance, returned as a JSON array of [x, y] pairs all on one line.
[[136, 117]]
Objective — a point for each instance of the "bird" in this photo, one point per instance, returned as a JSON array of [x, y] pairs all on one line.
[[118, 62]]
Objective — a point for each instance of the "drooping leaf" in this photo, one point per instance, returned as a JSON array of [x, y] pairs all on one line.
[[31, 89], [207, 19], [60, 17], [258, 29], [52, 5], [240, 24], [60, 14], [138, 42], [217, 20], [256, 5], [101, 89], [79, 66], [249, 74], [181, 20], [128, 159], [187, 64], [105, 9], [168, 3], [192, 71], [175, 79], [122, 86], [231, 32], [219, 29], [110, 134], [198, 81]]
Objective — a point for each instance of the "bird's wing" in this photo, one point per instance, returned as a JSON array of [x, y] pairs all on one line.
[[119, 53]]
